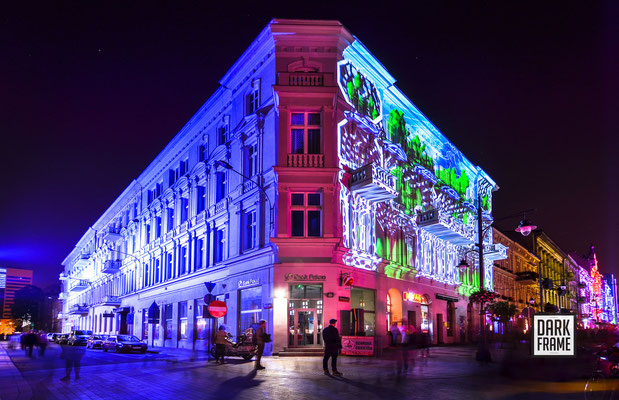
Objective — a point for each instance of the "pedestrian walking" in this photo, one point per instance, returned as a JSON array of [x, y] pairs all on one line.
[[262, 337], [23, 338], [31, 340], [72, 356], [220, 344], [333, 344], [42, 343]]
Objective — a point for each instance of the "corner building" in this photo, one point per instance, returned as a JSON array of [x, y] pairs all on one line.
[[307, 187]]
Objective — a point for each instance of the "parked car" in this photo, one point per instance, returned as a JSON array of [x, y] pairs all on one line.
[[55, 337], [50, 337], [62, 338], [124, 343], [95, 341], [78, 338]]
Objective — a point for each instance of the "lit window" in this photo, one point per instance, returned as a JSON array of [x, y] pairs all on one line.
[[182, 320], [250, 161], [305, 214], [305, 133], [219, 246]]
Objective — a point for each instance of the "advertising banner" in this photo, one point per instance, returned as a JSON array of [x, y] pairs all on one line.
[[358, 345]]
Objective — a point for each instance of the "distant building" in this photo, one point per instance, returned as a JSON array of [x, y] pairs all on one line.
[[11, 280], [307, 187]]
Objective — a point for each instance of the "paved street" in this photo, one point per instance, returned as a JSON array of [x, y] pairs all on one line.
[[447, 374]]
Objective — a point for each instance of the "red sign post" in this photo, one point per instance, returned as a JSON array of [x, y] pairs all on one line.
[[217, 309]]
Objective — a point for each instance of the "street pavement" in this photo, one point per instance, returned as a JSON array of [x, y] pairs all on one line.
[[449, 373]]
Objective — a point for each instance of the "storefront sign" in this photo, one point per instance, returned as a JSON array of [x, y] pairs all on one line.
[[344, 298], [305, 277], [554, 335], [414, 297], [243, 283], [358, 345]]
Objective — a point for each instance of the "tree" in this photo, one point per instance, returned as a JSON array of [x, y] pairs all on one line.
[[27, 306], [503, 310]]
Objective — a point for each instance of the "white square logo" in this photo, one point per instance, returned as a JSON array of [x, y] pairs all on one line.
[[554, 335]]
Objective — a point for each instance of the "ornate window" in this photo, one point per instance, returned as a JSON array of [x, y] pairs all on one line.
[[305, 133]]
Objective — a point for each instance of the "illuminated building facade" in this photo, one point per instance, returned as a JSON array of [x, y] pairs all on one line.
[[308, 187], [11, 280]]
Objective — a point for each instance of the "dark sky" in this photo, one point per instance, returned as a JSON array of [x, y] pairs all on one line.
[[91, 92]]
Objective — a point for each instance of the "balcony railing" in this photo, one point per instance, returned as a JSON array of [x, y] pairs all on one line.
[[82, 260], [63, 276], [304, 79], [306, 160], [110, 301], [78, 285], [495, 251], [221, 206], [373, 183], [62, 296], [78, 309], [112, 235], [445, 227], [527, 277], [111, 266]]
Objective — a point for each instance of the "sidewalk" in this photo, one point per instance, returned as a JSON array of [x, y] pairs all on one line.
[[12, 384]]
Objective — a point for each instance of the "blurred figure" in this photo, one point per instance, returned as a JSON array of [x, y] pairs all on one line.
[[424, 344], [31, 341], [22, 342], [396, 336], [72, 356], [220, 344], [261, 336], [42, 343]]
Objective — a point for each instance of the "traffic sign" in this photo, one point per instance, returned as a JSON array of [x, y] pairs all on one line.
[[217, 309], [209, 286], [208, 298]]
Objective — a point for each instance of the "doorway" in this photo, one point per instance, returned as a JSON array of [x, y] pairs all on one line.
[[439, 328], [305, 332]]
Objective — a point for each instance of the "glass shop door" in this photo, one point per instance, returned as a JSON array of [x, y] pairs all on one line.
[[305, 327]]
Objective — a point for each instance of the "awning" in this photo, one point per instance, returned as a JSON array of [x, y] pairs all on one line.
[[446, 297]]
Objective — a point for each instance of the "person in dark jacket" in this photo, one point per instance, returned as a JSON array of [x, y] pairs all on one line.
[[261, 333], [333, 344]]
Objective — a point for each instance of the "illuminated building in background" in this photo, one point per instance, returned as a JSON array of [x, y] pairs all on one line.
[[609, 302], [11, 280], [307, 187]]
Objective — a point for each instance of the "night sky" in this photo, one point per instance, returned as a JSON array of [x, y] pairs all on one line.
[[90, 93]]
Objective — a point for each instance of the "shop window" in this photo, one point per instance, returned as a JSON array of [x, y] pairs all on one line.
[[223, 320], [363, 323], [250, 309], [182, 320], [145, 324], [305, 133], [306, 214], [200, 320], [168, 322]]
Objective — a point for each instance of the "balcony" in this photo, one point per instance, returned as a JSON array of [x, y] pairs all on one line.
[[495, 251], [527, 277], [443, 226], [112, 236], [61, 316], [63, 276], [78, 309], [221, 206], [111, 301], [82, 260], [62, 296], [373, 183], [78, 285], [111, 267], [304, 79], [306, 160]]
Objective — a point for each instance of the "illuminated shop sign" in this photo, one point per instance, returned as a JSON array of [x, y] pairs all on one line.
[[305, 277], [243, 283], [414, 297], [554, 335], [357, 346]]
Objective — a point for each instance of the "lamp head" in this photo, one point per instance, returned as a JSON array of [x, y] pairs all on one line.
[[531, 301], [525, 227], [463, 265]]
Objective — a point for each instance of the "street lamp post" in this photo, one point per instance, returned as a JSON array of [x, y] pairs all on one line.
[[524, 228], [227, 166]]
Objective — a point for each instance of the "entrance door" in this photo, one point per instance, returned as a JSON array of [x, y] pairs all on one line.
[[439, 328], [305, 328]]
